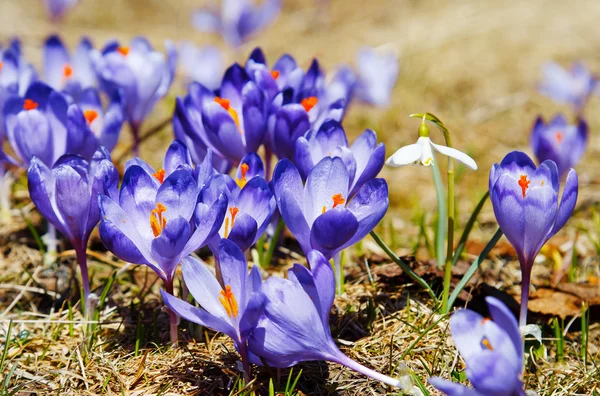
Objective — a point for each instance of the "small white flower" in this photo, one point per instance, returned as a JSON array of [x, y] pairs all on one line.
[[422, 152]]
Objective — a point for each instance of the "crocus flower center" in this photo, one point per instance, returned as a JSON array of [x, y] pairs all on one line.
[[123, 50], [309, 103], [241, 182], [337, 200], [232, 212], [274, 74], [160, 175], [229, 302], [524, 184], [157, 221], [226, 104], [67, 71], [1, 64], [30, 104], [559, 136], [90, 115]]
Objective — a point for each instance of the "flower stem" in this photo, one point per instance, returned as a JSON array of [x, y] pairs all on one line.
[[245, 361], [450, 232], [351, 364], [440, 235], [268, 158], [51, 243], [339, 273], [173, 319], [85, 280], [524, 295], [135, 132]]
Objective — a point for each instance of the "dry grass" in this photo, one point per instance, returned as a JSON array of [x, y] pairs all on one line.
[[474, 64]]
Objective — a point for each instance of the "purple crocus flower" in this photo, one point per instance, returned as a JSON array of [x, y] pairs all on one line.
[[189, 128], [157, 219], [295, 324], [142, 74], [526, 205], [67, 196], [363, 160], [560, 142], [235, 121], [70, 74], [42, 124], [104, 124], [237, 20], [203, 65], [231, 304], [492, 350], [573, 86], [377, 74], [251, 203], [322, 215], [57, 8]]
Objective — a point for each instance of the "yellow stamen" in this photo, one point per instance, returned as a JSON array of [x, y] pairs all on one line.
[[241, 182], [90, 115], [67, 71], [524, 184], [486, 343], [157, 221], [226, 104], [309, 103], [233, 212], [30, 104], [229, 302], [160, 175]]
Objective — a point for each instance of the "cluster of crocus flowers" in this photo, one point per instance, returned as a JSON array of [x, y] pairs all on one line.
[[526, 203], [559, 141], [492, 349], [67, 196], [142, 75], [280, 322], [157, 219]]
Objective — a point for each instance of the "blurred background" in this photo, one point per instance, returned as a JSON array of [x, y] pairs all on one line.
[[474, 64]]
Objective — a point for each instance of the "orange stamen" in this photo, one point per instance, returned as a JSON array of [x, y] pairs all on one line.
[[524, 183], [242, 181], [559, 136], [226, 104], [233, 212], [229, 302], [486, 343], [309, 103], [337, 200], [67, 71], [90, 115], [157, 222], [160, 175], [274, 74], [30, 104], [123, 50], [1, 64], [485, 320]]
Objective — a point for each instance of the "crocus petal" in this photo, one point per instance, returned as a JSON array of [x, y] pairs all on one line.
[[177, 154], [179, 194], [506, 321], [207, 225], [41, 183], [167, 247], [538, 203], [137, 198], [507, 201], [243, 233], [458, 155], [234, 270], [121, 246], [204, 287], [196, 315], [369, 158], [567, 202], [491, 374], [405, 155], [327, 179], [467, 331], [332, 230], [56, 58], [72, 200]]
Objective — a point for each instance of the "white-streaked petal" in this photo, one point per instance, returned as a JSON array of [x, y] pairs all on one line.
[[406, 155], [457, 155]]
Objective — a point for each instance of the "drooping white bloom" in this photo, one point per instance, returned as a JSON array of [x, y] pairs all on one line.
[[422, 152]]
